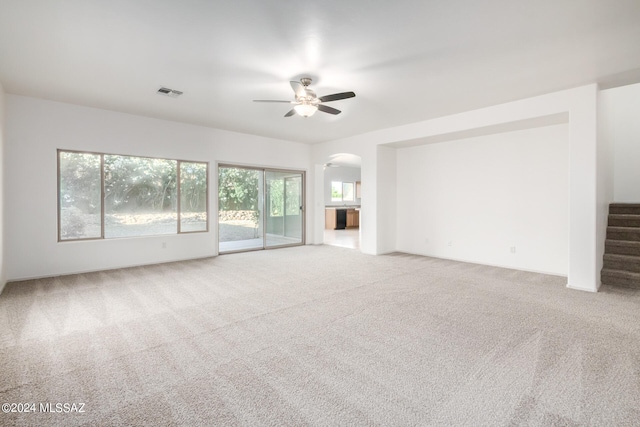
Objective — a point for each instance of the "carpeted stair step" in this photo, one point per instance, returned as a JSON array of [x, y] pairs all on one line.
[[624, 209], [624, 220], [622, 247], [620, 278], [623, 233], [622, 263], [621, 266]]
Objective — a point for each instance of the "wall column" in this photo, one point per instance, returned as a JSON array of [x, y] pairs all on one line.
[[583, 227]]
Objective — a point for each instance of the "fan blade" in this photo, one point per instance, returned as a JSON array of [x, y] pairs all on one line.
[[290, 113], [336, 96], [272, 100], [298, 89], [329, 110]]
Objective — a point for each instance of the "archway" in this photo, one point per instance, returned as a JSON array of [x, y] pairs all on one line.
[[341, 200]]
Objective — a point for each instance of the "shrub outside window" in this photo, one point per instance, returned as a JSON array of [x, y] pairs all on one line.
[[79, 196], [193, 196], [110, 196], [336, 191]]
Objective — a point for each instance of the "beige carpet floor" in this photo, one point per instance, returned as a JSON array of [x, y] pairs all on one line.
[[319, 336]]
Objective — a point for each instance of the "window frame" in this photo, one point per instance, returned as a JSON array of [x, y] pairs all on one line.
[[102, 195], [342, 199], [179, 196], [353, 191]]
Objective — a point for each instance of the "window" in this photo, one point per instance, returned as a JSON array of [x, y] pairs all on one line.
[[276, 199], [347, 191], [342, 191], [139, 196], [79, 195], [109, 196], [336, 191], [293, 189], [193, 196]]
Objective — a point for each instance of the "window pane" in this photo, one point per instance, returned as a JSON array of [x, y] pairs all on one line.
[[193, 196], [294, 195], [240, 212], [140, 196], [336, 191], [276, 195], [347, 191], [80, 196]]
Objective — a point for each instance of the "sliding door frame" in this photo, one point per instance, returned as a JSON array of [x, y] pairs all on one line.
[[263, 170]]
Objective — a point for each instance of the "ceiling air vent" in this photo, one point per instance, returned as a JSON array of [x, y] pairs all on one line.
[[169, 92]]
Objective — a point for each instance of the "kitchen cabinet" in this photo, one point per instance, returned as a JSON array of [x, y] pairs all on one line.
[[340, 218], [358, 190], [330, 218], [353, 218]]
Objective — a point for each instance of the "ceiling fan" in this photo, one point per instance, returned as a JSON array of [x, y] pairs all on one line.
[[306, 102]]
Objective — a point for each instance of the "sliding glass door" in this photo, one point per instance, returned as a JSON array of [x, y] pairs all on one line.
[[284, 201], [259, 208], [240, 209]]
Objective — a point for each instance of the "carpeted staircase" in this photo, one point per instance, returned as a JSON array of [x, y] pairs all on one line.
[[622, 247]]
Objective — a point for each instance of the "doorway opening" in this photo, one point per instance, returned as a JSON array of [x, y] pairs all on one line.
[[342, 190], [259, 208]]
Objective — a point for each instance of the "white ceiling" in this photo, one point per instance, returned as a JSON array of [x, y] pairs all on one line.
[[345, 160], [406, 60]]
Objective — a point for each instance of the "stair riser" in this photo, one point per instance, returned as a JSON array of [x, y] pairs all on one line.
[[629, 235], [620, 281], [624, 210], [621, 250], [622, 265], [624, 222], [623, 238]]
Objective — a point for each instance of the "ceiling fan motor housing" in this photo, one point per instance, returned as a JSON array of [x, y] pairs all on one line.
[[307, 102]]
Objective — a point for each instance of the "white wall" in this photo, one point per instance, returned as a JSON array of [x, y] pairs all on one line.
[[605, 184], [36, 128], [342, 174], [474, 199], [3, 272], [621, 119], [387, 199], [576, 106]]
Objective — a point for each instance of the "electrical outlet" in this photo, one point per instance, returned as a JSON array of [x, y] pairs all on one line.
[[164, 245], [450, 243], [512, 249]]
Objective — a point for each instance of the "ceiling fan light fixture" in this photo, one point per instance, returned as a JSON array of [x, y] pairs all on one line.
[[307, 102], [306, 110]]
